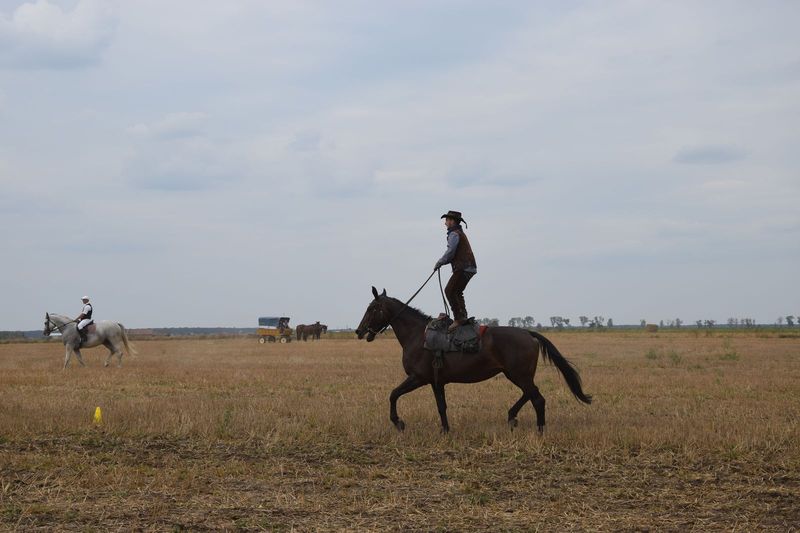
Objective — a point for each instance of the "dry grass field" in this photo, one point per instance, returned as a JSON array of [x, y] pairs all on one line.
[[688, 431]]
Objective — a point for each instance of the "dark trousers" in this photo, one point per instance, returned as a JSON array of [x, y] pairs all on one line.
[[454, 290]]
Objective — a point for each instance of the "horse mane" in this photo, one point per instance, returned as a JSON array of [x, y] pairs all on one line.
[[424, 316]]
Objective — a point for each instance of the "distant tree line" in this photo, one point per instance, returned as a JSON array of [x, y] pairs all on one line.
[[7, 335], [520, 322], [599, 322], [556, 322]]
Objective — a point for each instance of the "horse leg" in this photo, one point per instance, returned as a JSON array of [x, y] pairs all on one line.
[[512, 413], [113, 350], [537, 400], [78, 355], [441, 404], [411, 383], [67, 358], [529, 392]]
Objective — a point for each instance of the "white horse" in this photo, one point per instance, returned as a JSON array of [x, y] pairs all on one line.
[[110, 334]]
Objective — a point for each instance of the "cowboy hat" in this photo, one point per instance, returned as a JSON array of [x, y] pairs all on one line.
[[456, 215]]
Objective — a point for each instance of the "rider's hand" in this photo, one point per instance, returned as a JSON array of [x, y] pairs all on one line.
[[437, 266]]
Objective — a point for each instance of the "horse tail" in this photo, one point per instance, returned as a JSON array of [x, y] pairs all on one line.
[[570, 373], [128, 346]]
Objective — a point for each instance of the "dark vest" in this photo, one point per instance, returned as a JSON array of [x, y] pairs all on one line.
[[464, 257], [89, 314]]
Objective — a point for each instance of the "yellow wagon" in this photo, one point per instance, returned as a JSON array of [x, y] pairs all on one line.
[[274, 329]]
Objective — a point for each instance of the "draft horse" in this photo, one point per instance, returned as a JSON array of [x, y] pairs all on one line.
[[512, 351]]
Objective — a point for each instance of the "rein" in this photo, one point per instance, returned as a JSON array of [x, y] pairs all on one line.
[[405, 306], [444, 300]]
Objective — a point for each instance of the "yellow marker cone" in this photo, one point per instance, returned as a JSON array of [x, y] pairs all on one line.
[[98, 416]]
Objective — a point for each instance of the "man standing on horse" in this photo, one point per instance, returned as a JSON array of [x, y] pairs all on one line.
[[84, 319], [459, 255]]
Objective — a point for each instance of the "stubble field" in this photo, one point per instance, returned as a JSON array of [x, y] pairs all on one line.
[[688, 431]]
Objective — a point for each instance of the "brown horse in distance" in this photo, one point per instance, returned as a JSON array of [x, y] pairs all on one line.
[[310, 330], [318, 329], [512, 351]]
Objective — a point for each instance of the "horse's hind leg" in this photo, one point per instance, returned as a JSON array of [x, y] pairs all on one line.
[[537, 400], [512, 413], [529, 392], [112, 350]]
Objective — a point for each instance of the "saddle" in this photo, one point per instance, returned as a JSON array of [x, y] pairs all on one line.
[[465, 339]]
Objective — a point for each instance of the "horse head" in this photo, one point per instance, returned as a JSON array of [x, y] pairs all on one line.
[[376, 317], [46, 332]]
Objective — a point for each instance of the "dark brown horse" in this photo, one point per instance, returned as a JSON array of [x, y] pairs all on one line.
[[311, 330], [512, 351], [318, 329]]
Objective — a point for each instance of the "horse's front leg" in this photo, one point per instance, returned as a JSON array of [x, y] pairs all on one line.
[[67, 358], [441, 404], [78, 355], [411, 383]]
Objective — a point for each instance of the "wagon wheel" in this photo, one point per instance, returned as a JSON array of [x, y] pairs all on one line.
[[262, 340], [284, 339]]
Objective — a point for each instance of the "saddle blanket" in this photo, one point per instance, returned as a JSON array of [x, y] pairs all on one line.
[[466, 338]]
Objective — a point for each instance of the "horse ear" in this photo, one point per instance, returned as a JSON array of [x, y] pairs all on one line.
[[375, 292], [47, 316], [383, 293]]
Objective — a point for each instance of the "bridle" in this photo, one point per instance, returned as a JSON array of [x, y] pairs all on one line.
[[57, 327]]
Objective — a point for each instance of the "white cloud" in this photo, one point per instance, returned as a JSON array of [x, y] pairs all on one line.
[[42, 35]]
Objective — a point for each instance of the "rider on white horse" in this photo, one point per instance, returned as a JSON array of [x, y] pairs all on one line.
[[84, 319]]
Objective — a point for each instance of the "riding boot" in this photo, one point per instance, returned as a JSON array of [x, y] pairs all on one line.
[[82, 334], [459, 314]]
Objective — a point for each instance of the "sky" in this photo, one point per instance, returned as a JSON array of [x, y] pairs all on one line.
[[193, 163]]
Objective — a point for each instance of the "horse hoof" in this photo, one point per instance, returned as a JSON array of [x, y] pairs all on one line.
[[513, 423], [400, 425], [541, 430], [445, 431]]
